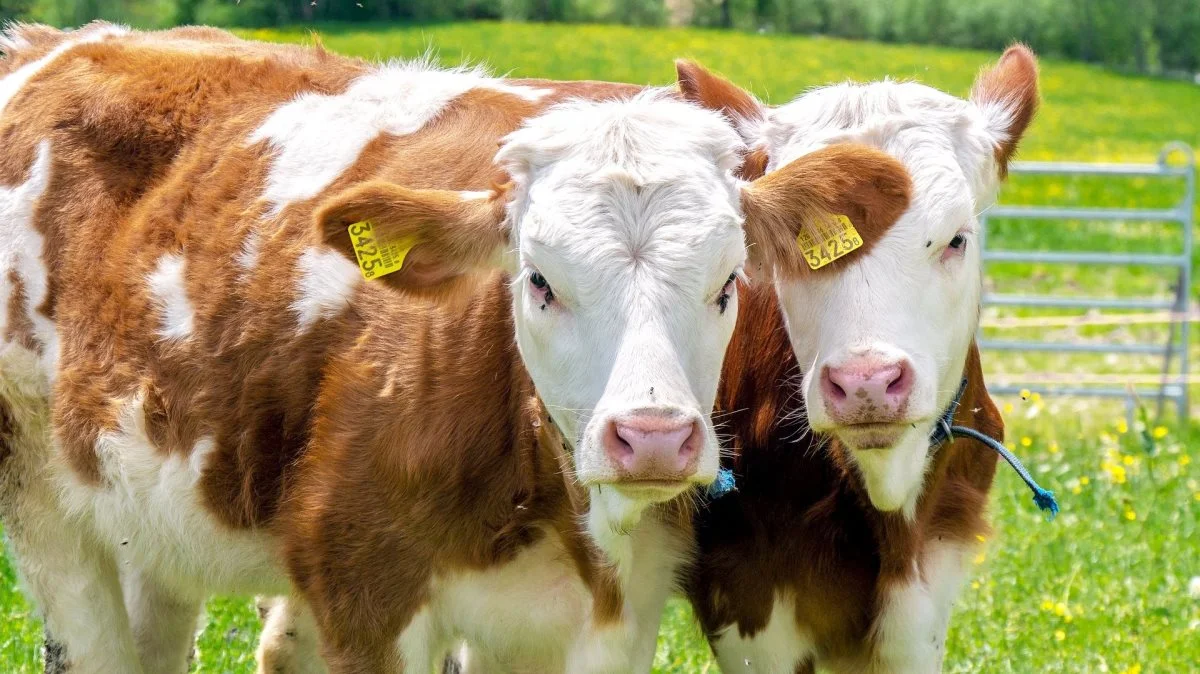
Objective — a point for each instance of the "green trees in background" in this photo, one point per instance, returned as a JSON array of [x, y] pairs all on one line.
[[1143, 35]]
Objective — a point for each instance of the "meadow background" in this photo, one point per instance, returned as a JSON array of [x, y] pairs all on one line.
[[1105, 587]]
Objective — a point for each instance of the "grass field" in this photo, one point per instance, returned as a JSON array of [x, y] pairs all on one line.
[[1102, 589]]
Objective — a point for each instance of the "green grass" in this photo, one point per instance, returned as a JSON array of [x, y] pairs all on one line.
[[1103, 588]]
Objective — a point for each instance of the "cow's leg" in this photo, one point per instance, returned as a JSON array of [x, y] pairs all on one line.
[[289, 643], [71, 578], [77, 590], [164, 625]]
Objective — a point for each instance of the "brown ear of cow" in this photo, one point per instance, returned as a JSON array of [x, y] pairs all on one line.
[[1008, 94], [455, 235], [702, 87], [866, 185]]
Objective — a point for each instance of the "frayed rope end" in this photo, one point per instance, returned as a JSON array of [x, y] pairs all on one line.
[[1044, 498], [724, 484]]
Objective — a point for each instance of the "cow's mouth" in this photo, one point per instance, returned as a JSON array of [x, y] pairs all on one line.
[[871, 435]]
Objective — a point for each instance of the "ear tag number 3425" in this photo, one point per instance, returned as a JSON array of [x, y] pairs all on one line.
[[377, 258], [833, 238]]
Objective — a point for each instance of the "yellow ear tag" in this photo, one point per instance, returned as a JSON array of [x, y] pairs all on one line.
[[828, 239], [377, 258]]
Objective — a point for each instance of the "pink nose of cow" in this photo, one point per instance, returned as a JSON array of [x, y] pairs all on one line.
[[867, 390], [647, 446]]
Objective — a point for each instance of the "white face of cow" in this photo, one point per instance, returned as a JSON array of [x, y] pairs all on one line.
[[883, 339], [626, 229]]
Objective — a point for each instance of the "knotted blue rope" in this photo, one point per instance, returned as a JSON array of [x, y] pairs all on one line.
[[945, 429], [724, 484]]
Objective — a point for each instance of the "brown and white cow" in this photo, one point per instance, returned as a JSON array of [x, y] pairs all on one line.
[[846, 549], [202, 394]]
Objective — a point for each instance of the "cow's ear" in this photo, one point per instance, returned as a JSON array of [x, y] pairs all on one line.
[[419, 240], [867, 186], [700, 86], [1007, 94]]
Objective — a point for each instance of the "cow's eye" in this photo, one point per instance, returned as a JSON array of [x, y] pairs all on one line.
[[956, 248], [727, 291], [541, 288]]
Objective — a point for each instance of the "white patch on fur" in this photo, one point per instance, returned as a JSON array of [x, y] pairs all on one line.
[[12, 84], [168, 291], [910, 632], [247, 256], [901, 298], [318, 136], [149, 507], [776, 649], [21, 249], [630, 210], [534, 614], [327, 282]]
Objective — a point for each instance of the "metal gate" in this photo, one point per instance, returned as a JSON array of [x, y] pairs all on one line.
[[1173, 385]]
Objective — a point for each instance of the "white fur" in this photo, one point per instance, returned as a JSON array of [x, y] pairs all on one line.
[[289, 643], [318, 136], [21, 250], [910, 631], [325, 285], [534, 614], [151, 510], [901, 300], [12, 83], [776, 649], [629, 210], [247, 256], [168, 291]]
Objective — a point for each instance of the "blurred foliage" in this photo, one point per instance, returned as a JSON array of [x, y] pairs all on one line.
[[1149, 36]]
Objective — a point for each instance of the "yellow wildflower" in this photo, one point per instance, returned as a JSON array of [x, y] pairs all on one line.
[[1076, 489], [1025, 394], [1127, 460], [1159, 432], [1059, 635], [981, 538], [974, 585], [1026, 441], [1196, 496], [979, 559], [1047, 605], [1054, 448], [1084, 480], [1130, 515], [1122, 427], [1036, 397], [1008, 408], [1184, 460], [1060, 609]]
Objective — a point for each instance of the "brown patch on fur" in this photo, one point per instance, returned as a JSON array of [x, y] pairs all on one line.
[[716, 93], [867, 185], [1012, 83], [8, 430], [20, 326], [800, 521], [394, 441]]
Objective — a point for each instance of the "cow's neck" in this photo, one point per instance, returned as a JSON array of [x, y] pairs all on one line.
[[961, 467]]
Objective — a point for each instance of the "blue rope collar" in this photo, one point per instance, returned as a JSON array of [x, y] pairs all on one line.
[[945, 430]]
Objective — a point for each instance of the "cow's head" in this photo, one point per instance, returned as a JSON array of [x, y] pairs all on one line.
[[622, 230], [883, 333]]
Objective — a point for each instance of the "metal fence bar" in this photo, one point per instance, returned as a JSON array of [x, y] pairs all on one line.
[[1076, 302], [1179, 305], [1140, 259], [1068, 347], [1057, 213]]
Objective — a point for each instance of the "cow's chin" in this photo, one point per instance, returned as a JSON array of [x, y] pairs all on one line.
[[892, 461]]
